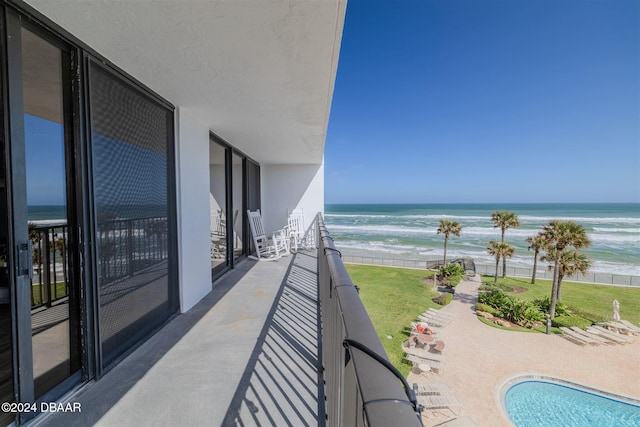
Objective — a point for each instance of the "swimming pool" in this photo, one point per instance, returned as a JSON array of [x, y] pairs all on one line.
[[539, 403]]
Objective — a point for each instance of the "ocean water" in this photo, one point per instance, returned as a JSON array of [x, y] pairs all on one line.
[[410, 231]]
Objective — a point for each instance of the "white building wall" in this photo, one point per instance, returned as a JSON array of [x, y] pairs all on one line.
[[194, 241], [291, 187]]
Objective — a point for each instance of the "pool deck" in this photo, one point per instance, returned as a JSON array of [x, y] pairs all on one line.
[[480, 359]]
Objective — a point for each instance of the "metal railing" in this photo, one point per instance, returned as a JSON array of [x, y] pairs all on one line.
[[489, 269], [50, 263], [361, 386], [544, 273], [129, 245]]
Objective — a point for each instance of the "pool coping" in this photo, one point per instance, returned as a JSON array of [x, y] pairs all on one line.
[[517, 379]]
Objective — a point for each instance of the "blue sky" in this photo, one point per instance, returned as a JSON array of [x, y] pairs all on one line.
[[472, 101]]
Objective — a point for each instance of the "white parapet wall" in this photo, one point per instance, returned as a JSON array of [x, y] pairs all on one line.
[[194, 245], [288, 187]]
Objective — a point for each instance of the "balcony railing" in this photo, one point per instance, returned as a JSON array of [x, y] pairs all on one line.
[[130, 245], [50, 281], [361, 386], [125, 247]]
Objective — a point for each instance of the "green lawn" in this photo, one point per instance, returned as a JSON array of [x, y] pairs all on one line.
[[60, 287], [393, 298], [595, 302]]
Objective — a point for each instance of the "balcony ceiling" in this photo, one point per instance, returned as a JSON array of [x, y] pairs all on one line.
[[259, 73]]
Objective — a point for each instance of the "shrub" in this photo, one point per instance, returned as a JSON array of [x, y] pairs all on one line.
[[545, 303], [488, 287], [494, 298], [451, 274], [486, 308], [570, 321], [443, 299], [532, 317]]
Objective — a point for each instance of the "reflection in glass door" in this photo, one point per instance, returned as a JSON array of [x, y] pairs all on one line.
[[238, 205], [218, 206], [54, 294]]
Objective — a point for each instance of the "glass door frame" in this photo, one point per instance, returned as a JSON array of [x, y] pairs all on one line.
[[20, 258]]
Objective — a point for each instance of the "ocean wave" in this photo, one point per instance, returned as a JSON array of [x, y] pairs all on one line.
[[615, 230], [598, 220], [512, 234], [522, 218], [411, 216], [379, 249]]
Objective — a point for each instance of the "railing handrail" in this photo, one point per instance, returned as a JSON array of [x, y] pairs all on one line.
[[360, 389]]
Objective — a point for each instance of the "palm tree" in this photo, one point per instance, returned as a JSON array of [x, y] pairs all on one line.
[[559, 235], [571, 262], [448, 227], [504, 220], [500, 250], [537, 244]]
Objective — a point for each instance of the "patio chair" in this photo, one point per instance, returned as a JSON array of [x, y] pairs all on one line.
[[295, 229], [267, 248]]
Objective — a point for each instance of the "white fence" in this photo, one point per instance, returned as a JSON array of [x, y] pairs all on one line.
[[541, 273]]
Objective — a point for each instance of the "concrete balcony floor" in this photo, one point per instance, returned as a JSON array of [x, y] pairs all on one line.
[[246, 355]]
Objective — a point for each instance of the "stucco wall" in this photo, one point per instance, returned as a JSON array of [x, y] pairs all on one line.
[[290, 187], [193, 209]]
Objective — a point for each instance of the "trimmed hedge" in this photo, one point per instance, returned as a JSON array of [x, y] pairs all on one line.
[[486, 308], [570, 321], [443, 299]]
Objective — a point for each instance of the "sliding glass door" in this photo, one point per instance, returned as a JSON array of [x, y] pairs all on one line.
[[40, 277], [234, 187]]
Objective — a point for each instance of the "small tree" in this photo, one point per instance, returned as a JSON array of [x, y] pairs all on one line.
[[571, 262], [504, 220], [500, 250], [448, 227], [559, 235], [536, 243]]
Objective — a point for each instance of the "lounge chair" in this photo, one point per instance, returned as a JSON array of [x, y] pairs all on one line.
[[426, 389], [272, 247], [572, 336], [440, 313], [579, 336], [635, 329], [437, 321], [619, 327], [431, 402], [597, 338], [613, 336], [424, 354], [436, 366]]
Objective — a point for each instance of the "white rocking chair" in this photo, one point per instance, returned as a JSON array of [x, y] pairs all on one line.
[[266, 247], [295, 229]]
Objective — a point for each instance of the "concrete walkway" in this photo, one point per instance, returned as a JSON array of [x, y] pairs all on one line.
[[246, 355], [480, 359]]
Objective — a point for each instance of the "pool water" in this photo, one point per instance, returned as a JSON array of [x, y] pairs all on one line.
[[543, 404]]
